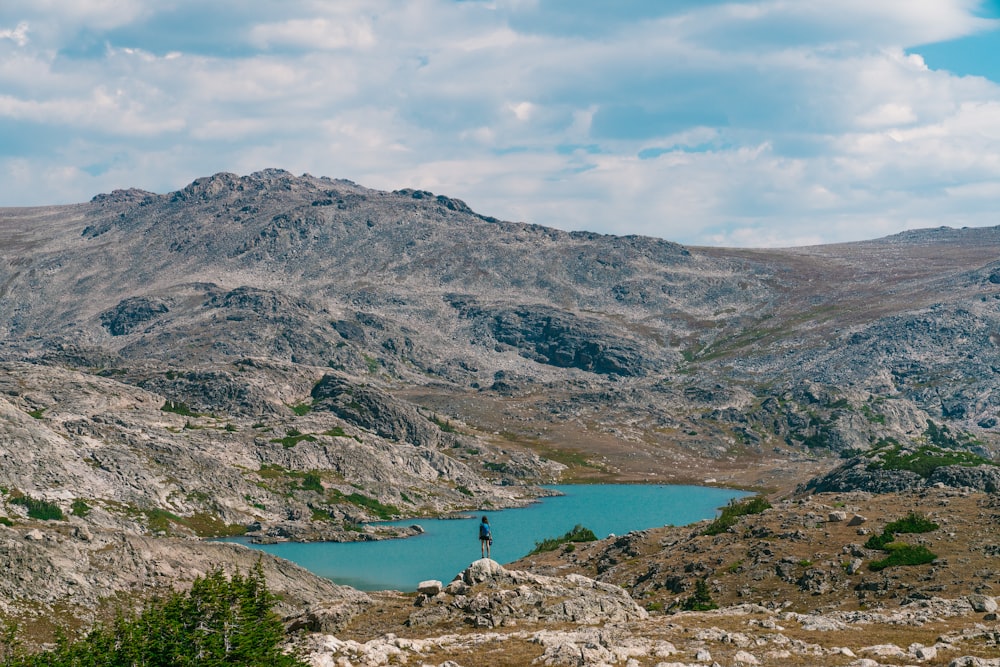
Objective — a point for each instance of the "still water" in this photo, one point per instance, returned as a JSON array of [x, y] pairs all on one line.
[[448, 545]]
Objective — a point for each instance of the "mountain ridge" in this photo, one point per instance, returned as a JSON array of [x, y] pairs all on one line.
[[293, 357]]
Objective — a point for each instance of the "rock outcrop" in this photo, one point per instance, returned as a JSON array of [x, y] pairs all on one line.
[[83, 569], [487, 595]]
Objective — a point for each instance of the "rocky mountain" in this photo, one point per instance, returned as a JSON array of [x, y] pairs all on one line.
[[235, 296], [295, 356]]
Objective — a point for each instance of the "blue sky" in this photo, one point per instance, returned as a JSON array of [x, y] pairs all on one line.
[[707, 122]]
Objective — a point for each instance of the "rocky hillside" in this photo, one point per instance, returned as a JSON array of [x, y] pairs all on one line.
[[235, 296], [291, 357]]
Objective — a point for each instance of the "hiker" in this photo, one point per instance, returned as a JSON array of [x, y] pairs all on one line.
[[485, 537]]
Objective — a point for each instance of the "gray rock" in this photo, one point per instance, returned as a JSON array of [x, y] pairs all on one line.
[[982, 603], [497, 597], [430, 587]]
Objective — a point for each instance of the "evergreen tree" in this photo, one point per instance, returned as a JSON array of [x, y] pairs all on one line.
[[220, 621]]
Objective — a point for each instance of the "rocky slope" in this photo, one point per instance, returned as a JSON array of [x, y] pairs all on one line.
[[295, 356], [235, 295]]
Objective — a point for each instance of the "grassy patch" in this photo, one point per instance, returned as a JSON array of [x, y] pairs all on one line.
[[203, 524], [178, 408], [42, 510], [382, 511], [79, 508], [577, 534], [912, 523], [301, 409], [37, 414], [872, 416], [442, 424], [338, 432], [293, 437], [903, 554], [312, 482], [922, 460], [733, 511]]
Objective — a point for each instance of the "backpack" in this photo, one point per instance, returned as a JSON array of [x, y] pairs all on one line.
[[484, 531]]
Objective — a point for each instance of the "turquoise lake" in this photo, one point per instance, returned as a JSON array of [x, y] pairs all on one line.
[[448, 546]]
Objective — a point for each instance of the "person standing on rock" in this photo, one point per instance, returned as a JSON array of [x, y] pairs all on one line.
[[485, 537]]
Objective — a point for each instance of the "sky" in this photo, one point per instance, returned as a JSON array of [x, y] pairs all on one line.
[[750, 123]]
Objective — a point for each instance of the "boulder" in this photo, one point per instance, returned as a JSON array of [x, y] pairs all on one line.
[[982, 603], [430, 587], [491, 596]]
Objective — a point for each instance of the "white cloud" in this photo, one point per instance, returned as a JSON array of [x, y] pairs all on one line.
[[761, 122], [521, 110], [316, 33], [18, 35], [888, 114]]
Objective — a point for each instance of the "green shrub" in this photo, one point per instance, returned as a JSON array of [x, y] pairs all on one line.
[[302, 409], [880, 541], [923, 459], [903, 554], [701, 600], [159, 520], [4, 521], [312, 482], [178, 408], [293, 438], [79, 508], [382, 511], [41, 510], [577, 534], [219, 621], [733, 511], [444, 425], [912, 523], [37, 414]]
